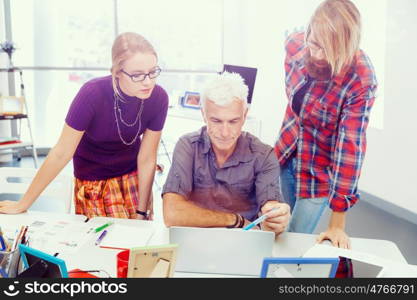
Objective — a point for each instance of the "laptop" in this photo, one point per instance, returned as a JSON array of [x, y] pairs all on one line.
[[221, 250]]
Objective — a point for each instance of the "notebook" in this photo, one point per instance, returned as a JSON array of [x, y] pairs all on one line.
[[126, 237], [221, 250]]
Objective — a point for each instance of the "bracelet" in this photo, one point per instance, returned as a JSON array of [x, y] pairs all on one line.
[[142, 213], [236, 222], [242, 221]]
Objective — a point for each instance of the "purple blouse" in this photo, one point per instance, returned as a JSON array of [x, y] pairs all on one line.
[[101, 153]]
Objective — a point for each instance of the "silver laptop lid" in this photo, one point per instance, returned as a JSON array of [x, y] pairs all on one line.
[[221, 250]]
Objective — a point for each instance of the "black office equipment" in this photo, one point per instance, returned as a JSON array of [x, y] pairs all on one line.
[[248, 74], [39, 264]]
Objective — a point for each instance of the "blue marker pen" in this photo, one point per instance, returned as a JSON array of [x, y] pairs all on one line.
[[258, 220], [2, 244], [101, 237], [3, 274]]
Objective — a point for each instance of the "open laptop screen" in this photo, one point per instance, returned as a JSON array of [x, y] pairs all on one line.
[[221, 250]]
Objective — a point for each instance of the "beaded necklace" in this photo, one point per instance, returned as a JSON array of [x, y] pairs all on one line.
[[118, 111]]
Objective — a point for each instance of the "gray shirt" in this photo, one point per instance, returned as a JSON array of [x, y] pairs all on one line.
[[242, 185]]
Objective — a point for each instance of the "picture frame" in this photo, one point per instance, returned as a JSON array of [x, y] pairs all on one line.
[[152, 261], [299, 267], [191, 100], [11, 105], [40, 264]]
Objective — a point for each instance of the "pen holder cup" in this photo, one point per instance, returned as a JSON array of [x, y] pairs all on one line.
[[122, 263], [9, 263]]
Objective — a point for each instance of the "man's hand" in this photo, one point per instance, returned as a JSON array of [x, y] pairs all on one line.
[[337, 236], [11, 207], [336, 231], [278, 216]]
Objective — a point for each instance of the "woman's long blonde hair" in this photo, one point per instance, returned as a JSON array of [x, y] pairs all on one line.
[[337, 28], [125, 46]]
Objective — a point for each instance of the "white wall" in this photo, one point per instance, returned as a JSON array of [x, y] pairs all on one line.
[[257, 40], [390, 167], [254, 36]]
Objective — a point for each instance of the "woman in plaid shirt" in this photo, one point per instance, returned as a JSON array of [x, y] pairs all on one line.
[[330, 84]]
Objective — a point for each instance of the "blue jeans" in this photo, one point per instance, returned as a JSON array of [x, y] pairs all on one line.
[[306, 213]]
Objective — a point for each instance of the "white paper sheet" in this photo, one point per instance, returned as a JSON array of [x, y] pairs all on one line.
[[126, 237], [390, 268]]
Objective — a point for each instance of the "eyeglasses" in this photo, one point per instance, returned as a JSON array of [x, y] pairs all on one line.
[[314, 46], [142, 76]]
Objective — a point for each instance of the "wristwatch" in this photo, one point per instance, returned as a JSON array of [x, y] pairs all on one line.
[[142, 213]]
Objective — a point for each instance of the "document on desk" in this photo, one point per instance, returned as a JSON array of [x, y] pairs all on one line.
[[319, 250], [59, 236], [126, 237], [48, 233], [390, 268]]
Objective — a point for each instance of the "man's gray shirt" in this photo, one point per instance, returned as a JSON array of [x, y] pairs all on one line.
[[242, 185]]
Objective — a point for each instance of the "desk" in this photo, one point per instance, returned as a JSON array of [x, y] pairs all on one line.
[[296, 244], [29, 216], [286, 245]]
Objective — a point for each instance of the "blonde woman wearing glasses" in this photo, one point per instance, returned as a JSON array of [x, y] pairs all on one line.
[[112, 131]]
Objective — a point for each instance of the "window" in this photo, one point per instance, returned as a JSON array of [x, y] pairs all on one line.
[[62, 44], [187, 34], [51, 33]]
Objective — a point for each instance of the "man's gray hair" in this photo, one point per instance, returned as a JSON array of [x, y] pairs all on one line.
[[225, 88]]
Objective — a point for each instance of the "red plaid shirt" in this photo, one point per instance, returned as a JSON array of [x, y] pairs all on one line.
[[329, 135]]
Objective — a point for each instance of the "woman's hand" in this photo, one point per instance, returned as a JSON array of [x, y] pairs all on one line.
[[11, 207]]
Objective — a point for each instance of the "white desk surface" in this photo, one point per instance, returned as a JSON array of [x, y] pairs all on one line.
[[293, 244], [29, 216], [287, 244]]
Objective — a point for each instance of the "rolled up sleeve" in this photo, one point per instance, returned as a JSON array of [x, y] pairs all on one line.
[[180, 180], [267, 183], [350, 150]]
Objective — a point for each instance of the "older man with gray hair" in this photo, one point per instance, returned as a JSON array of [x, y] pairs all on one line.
[[222, 176]]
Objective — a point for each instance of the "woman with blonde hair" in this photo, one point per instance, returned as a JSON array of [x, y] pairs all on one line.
[[330, 85], [112, 131]]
